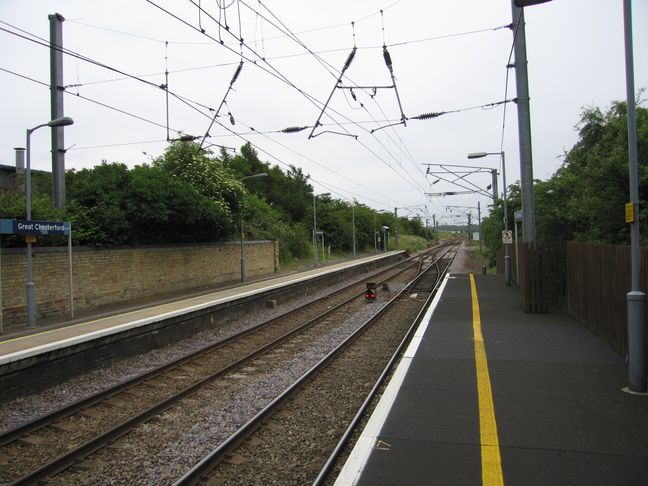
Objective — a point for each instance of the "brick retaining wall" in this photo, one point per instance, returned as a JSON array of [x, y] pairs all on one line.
[[107, 277]]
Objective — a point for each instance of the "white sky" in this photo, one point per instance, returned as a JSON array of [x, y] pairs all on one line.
[[575, 53]]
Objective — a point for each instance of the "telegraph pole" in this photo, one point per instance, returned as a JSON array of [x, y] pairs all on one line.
[[56, 94]]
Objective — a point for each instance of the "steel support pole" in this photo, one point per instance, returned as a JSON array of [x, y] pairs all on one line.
[[56, 94], [469, 226], [30, 288], [70, 281], [636, 300], [494, 186], [396, 226], [524, 125], [479, 222], [1, 302]]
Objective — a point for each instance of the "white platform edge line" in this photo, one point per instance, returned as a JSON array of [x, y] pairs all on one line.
[[27, 353], [355, 464]]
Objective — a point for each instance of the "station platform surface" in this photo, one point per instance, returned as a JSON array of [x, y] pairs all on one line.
[[489, 395], [24, 343]]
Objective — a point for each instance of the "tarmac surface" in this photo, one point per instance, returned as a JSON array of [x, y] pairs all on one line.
[[558, 414]]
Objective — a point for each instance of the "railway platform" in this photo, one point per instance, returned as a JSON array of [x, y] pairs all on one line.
[[487, 394], [90, 336]]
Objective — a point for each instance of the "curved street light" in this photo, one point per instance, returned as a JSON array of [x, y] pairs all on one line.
[[507, 257], [31, 289]]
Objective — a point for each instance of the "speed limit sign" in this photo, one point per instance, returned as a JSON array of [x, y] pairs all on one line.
[[507, 237]]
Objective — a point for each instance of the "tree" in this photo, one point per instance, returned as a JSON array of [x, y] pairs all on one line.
[[110, 205], [288, 191], [207, 175], [585, 198]]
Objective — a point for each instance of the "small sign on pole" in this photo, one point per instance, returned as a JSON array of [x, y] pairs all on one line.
[[629, 213], [507, 237]]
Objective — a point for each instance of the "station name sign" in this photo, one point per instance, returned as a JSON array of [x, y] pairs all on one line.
[[24, 227]]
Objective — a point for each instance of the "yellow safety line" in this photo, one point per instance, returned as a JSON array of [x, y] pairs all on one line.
[[490, 453]]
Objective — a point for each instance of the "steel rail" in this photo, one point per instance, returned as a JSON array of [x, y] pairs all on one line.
[[40, 422], [210, 461], [337, 451]]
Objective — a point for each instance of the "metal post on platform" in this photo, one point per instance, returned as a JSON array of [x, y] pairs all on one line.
[[636, 299], [315, 196], [507, 256], [1, 303], [480, 230], [31, 291], [70, 286], [353, 227]]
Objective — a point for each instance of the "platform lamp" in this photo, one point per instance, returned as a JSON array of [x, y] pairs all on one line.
[[31, 290], [260, 174], [315, 226], [507, 257]]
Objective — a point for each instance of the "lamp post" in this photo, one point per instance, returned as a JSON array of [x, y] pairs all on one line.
[[315, 226], [31, 289], [507, 257], [261, 174]]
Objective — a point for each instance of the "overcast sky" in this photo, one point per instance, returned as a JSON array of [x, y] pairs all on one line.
[[447, 56]]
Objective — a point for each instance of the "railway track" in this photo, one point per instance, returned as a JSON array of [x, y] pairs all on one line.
[[59, 441], [302, 432]]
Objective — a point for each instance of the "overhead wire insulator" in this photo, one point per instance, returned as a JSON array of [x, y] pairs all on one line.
[[236, 73], [293, 129], [349, 59], [387, 57], [426, 116]]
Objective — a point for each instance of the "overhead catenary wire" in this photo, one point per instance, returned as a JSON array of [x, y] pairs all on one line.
[[346, 65], [311, 99], [340, 122], [331, 131], [234, 78], [270, 69], [337, 85], [260, 149]]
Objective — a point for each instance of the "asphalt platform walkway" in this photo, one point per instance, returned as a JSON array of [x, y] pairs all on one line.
[[487, 394]]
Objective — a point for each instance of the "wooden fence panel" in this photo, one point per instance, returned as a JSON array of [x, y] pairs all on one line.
[[597, 280], [589, 280], [542, 276]]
